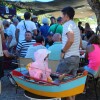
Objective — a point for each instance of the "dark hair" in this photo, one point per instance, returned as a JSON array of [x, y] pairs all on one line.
[[79, 24], [87, 25], [69, 11], [94, 39], [27, 15], [28, 32], [52, 18], [39, 39]]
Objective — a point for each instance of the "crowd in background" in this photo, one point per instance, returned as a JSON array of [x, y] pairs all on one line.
[[20, 35]]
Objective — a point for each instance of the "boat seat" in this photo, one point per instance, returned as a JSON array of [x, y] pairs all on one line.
[[24, 61], [53, 64]]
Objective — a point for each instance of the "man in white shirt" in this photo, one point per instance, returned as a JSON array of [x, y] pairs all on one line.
[[11, 33], [70, 45], [25, 25]]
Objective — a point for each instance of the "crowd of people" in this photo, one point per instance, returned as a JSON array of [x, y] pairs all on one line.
[[63, 37]]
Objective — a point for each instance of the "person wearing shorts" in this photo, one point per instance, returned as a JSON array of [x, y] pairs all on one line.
[[70, 45]]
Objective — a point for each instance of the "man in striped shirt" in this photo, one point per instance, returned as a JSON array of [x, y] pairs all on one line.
[[23, 46]]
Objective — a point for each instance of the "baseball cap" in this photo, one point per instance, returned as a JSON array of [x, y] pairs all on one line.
[[34, 16]]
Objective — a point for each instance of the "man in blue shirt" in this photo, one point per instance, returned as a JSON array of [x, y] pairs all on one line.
[[55, 48]]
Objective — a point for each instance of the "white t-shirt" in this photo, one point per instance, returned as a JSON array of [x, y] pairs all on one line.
[[11, 30], [29, 25], [74, 49], [6, 30]]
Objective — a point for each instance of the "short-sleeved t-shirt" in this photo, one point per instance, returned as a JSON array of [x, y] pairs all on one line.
[[11, 30], [74, 49], [44, 30], [55, 51], [29, 25], [56, 28]]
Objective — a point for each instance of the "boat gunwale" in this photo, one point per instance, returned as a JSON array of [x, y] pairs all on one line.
[[48, 84]]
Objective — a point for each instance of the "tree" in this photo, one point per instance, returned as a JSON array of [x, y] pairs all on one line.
[[95, 5]]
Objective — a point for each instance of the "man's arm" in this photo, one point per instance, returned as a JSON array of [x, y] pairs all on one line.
[[2, 36], [18, 48], [17, 34], [9, 40]]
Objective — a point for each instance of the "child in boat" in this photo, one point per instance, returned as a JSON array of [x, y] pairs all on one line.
[[93, 55], [39, 69]]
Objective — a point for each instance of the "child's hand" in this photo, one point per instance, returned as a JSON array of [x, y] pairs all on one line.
[[49, 79]]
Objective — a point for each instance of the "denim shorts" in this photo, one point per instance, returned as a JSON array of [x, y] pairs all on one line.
[[68, 65]]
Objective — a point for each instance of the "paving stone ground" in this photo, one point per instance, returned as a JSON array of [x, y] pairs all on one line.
[[9, 92]]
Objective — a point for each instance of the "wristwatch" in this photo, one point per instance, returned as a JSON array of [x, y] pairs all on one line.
[[62, 51]]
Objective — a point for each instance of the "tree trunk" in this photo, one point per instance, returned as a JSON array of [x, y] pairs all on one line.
[[95, 5]]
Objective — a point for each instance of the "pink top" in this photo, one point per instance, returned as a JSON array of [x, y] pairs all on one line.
[[94, 58], [39, 69]]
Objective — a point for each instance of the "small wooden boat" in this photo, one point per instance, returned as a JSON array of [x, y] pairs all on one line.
[[69, 87]]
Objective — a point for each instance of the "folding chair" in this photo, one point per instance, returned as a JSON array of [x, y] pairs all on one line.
[[95, 81], [53, 64]]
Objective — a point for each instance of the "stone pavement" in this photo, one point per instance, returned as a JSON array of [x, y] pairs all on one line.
[[9, 92]]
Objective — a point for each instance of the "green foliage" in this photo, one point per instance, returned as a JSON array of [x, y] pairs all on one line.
[[91, 20]]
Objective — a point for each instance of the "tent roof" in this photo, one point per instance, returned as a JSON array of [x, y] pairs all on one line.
[[81, 6]]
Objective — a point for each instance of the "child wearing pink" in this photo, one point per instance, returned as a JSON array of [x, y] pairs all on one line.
[[39, 69], [93, 51]]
